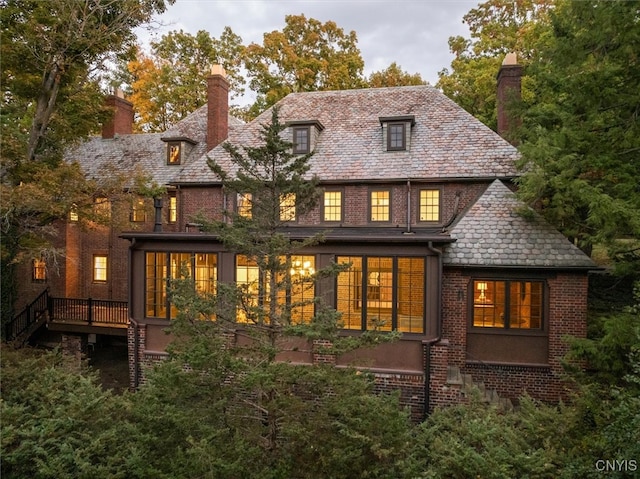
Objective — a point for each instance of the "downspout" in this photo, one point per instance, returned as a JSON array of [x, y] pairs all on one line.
[[427, 382], [408, 206], [136, 378]]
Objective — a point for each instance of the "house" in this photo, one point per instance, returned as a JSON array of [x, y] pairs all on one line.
[[417, 195]]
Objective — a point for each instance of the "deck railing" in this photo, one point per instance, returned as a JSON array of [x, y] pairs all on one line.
[[90, 311], [27, 317]]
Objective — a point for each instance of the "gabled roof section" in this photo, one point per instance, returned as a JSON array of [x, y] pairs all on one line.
[[493, 234], [446, 142]]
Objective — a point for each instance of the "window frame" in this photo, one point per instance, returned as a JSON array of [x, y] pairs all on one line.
[[38, 270], [288, 213], [340, 207], [419, 209], [172, 208], [391, 136], [363, 286], [138, 212], [371, 206], [506, 327], [297, 150], [171, 147], [244, 210], [96, 269]]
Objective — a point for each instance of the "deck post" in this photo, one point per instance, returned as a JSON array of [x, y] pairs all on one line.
[[89, 310]]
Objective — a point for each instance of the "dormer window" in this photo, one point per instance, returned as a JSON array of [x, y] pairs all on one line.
[[174, 151], [304, 135], [396, 132], [301, 140], [396, 137]]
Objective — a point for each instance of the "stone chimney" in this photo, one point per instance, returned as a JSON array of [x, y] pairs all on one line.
[[217, 107], [508, 95], [122, 121]]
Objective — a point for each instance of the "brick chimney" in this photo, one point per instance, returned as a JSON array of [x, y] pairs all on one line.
[[122, 121], [217, 107], [509, 93]]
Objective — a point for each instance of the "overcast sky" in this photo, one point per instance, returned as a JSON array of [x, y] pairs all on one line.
[[412, 33]]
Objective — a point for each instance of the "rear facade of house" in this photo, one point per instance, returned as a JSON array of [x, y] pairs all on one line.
[[416, 195]]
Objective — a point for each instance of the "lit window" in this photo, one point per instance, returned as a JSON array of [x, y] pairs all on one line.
[[248, 280], [102, 207], [382, 293], [507, 304], [243, 205], [302, 292], [332, 206], [173, 153], [380, 205], [73, 213], [100, 268], [39, 270], [138, 211], [161, 267], [396, 136], [301, 140], [173, 207], [288, 207], [429, 205]]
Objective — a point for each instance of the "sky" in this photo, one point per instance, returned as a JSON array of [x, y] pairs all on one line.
[[412, 33]]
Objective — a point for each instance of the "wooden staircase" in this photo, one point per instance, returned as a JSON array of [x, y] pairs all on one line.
[[28, 321], [468, 386]]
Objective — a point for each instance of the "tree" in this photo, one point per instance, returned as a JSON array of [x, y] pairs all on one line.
[[581, 133], [51, 55], [306, 55], [497, 27], [393, 76], [171, 82]]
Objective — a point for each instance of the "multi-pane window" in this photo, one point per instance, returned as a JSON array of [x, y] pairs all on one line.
[[396, 136], [380, 205], [382, 293], [301, 140], [163, 267], [430, 205], [509, 304], [100, 268], [243, 204], [39, 270], [288, 207], [173, 208], [173, 153], [73, 213], [138, 211], [102, 207], [295, 292], [332, 206]]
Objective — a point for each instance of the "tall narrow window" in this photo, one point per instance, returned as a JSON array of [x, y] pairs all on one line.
[[302, 290], [243, 204], [380, 205], [39, 271], [99, 268], [430, 205], [73, 213], [301, 140], [332, 206], [507, 304], [248, 280], [173, 207], [138, 211], [288, 207], [396, 136], [173, 153]]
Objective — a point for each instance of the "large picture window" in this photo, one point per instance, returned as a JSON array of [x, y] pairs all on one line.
[[508, 304], [382, 292], [162, 267], [295, 298]]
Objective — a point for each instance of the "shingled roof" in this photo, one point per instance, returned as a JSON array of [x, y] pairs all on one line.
[[492, 233], [145, 152], [446, 142]]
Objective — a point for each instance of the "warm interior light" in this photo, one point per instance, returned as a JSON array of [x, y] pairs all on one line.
[[482, 287]]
